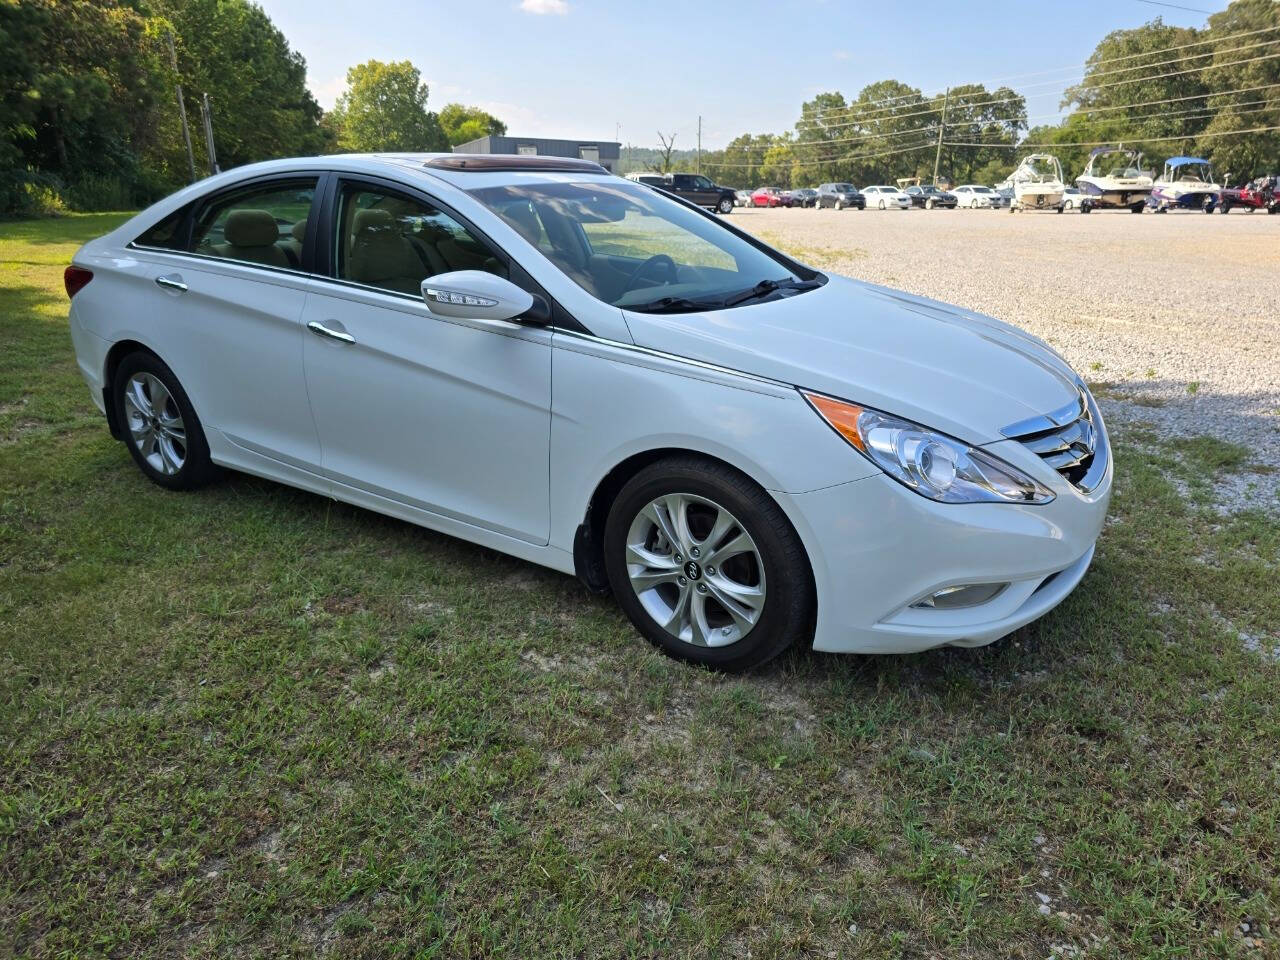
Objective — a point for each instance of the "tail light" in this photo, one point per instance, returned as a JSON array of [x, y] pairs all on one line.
[[75, 279]]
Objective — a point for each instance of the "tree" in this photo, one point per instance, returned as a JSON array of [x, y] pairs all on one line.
[[462, 124], [385, 109], [663, 164], [1242, 157], [257, 86]]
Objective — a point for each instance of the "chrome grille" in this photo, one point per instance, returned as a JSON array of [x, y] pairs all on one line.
[[1069, 440]]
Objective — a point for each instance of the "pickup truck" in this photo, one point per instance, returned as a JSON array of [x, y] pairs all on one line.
[[689, 186]]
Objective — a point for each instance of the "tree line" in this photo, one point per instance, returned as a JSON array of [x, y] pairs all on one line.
[[1168, 90], [89, 117]]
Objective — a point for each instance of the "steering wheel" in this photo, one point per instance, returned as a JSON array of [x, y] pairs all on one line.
[[655, 260]]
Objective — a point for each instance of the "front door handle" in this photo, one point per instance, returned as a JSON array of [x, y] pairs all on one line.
[[318, 328], [172, 282]]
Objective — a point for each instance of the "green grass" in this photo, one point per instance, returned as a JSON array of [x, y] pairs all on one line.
[[251, 722]]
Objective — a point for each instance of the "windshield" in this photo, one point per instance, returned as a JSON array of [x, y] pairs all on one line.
[[983, 190], [1116, 164], [1193, 173], [1039, 170], [634, 248]]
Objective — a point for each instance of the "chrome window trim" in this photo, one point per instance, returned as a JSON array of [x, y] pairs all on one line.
[[206, 258]]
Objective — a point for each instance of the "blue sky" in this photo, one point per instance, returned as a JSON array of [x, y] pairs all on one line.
[[577, 68]]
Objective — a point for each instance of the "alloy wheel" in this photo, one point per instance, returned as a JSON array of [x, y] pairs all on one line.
[[155, 423], [696, 570]]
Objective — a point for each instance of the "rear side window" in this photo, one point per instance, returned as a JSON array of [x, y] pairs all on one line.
[[165, 233], [262, 224]]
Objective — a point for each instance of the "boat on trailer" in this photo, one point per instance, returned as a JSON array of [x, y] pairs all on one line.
[[1114, 178], [1037, 183], [1187, 183]]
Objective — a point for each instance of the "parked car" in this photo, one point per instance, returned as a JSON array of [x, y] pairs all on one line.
[[1073, 198], [1003, 198], [804, 197], [928, 196], [840, 195], [975, 195], [1259, 194], [886, 198], [742, 198], [693, 187], [769, 197], [747, 452]]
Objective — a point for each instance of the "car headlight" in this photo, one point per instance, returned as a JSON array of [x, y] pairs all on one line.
[[930, 463]]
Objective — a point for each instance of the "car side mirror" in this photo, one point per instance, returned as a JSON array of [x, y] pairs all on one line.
[[475, 295]]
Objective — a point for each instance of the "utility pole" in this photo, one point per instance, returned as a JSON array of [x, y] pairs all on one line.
[[207, 116], [937, 157], [697, 163], [182, 108]]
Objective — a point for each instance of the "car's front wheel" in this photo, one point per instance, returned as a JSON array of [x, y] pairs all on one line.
[[159, 424], [725, 205], [706, 564]]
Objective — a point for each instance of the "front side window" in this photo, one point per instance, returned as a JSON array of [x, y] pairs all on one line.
[[634, 248], [263, 224], [395, 242]]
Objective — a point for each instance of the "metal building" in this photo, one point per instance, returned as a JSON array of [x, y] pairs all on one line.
[[603, 152]]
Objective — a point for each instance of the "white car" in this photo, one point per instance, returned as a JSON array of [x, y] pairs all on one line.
[[1073, 198], [976, 195], [886, 198], [536, 356]]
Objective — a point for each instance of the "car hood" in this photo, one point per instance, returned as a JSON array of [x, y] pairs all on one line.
[[947, 368]]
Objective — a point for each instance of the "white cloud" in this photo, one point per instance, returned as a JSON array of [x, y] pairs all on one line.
[[544, 7], [842, 54]]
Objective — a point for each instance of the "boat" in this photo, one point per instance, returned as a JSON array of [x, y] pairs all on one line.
[[1037, 183], [1114, 178], [1187, 183]]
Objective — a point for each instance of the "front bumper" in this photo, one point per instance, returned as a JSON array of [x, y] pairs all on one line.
[[877, 548]]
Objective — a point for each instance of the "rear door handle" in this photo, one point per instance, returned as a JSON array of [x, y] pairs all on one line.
[[172, 282], [318, 328]]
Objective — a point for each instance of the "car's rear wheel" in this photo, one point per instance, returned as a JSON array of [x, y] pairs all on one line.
[[706, 564], [725, 205], [159, 424]]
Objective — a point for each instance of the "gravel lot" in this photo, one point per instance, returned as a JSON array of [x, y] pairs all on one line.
[[1175, 319]]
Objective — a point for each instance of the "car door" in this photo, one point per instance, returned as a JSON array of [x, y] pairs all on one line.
[[230, 284], [447, 417], [704, 193]]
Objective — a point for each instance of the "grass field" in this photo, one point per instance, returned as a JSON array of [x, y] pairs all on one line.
[[252, 722]]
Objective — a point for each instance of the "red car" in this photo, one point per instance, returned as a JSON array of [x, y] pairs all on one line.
[[1258, 194], [770, 197]]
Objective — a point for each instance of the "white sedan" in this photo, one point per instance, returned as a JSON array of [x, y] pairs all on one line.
[[536, 356], [886, 198], [973, 195]]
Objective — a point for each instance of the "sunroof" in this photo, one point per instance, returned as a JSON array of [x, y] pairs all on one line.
[[500, 163]]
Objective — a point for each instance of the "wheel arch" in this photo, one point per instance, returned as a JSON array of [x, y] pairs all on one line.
[[115, 356], [588, 541]]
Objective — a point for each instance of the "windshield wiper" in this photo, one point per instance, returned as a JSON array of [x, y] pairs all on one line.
[[675, 305], [766, 287]]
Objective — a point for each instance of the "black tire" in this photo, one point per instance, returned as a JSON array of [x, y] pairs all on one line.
[[725, 205], [789, 605], [1224, 208], [196, 470]]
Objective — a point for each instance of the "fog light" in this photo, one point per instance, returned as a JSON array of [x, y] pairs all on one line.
[[952, 598]]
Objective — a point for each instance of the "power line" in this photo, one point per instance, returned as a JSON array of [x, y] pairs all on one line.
[[859, 156], [868, 111], [933, 128], [1175, 6], [1127, 140]]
